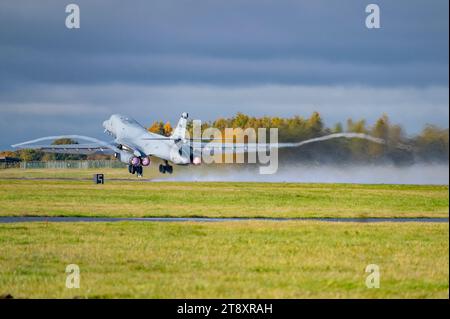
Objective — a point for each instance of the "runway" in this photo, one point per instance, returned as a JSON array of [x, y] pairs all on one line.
[[77, 179], [5, 220]]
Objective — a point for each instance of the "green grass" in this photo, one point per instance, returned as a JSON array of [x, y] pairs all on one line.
[[140, 199], [224, 260], [253, 259]]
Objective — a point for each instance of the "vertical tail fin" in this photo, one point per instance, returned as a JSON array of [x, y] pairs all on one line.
[[180, 131]]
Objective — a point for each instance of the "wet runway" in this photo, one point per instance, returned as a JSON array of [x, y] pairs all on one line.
[[218, 219], [135, 179]]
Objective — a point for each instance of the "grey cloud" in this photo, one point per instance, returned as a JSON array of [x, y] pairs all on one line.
[[167, 69], [155, 59], [52, 109], [225, 42]]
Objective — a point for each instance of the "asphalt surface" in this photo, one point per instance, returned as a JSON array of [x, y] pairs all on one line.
[[131, 179], [216, 219]]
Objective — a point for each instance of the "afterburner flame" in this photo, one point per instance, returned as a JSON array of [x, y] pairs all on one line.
[[145, 161], [135, 161], [196, 161]]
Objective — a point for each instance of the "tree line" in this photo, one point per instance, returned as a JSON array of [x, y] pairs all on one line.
[[430, 145]]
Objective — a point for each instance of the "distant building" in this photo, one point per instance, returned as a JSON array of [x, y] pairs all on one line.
[[7, 159], [9, 162]]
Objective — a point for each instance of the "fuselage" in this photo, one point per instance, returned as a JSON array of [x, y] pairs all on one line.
[[134, 138]]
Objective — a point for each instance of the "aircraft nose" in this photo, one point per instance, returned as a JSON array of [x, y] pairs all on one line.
[[107, 126]]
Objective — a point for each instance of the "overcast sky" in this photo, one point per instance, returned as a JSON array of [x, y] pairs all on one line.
[[155, 59]]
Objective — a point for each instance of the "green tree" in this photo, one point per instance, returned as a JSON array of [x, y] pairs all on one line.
[[240, 120], [64, 157], [358, 148], [338, 128], [315, 125], [433, 144], [30, 155], [380, 130]]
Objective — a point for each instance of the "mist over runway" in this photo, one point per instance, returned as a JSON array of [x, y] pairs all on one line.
[[416, 174], [419, 174]]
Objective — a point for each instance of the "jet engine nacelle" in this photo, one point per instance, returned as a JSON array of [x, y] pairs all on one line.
[[124, 157], [129, 158], [145, 161], [135, 161]]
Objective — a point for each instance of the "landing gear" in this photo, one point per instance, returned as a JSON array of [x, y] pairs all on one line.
[[165, 168], [138, 170]]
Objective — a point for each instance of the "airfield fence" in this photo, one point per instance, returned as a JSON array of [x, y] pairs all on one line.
[[73, 164], [9, 165]]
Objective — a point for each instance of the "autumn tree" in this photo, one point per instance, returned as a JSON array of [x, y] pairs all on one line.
[[167, 129], [220, 124], [157, 127], [8, 154], [240, 120], [432, 142]]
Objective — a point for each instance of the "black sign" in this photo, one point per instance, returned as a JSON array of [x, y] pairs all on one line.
[[99, 179]]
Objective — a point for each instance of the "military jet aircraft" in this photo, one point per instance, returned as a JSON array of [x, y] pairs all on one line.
[[133, 145]]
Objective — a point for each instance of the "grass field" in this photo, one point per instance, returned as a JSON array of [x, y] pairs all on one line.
[[76, 173], [252, 259], [224, 260], [139, 199]]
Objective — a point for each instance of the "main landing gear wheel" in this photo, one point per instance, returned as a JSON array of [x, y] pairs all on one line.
[[165, 168], [139, 171]]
